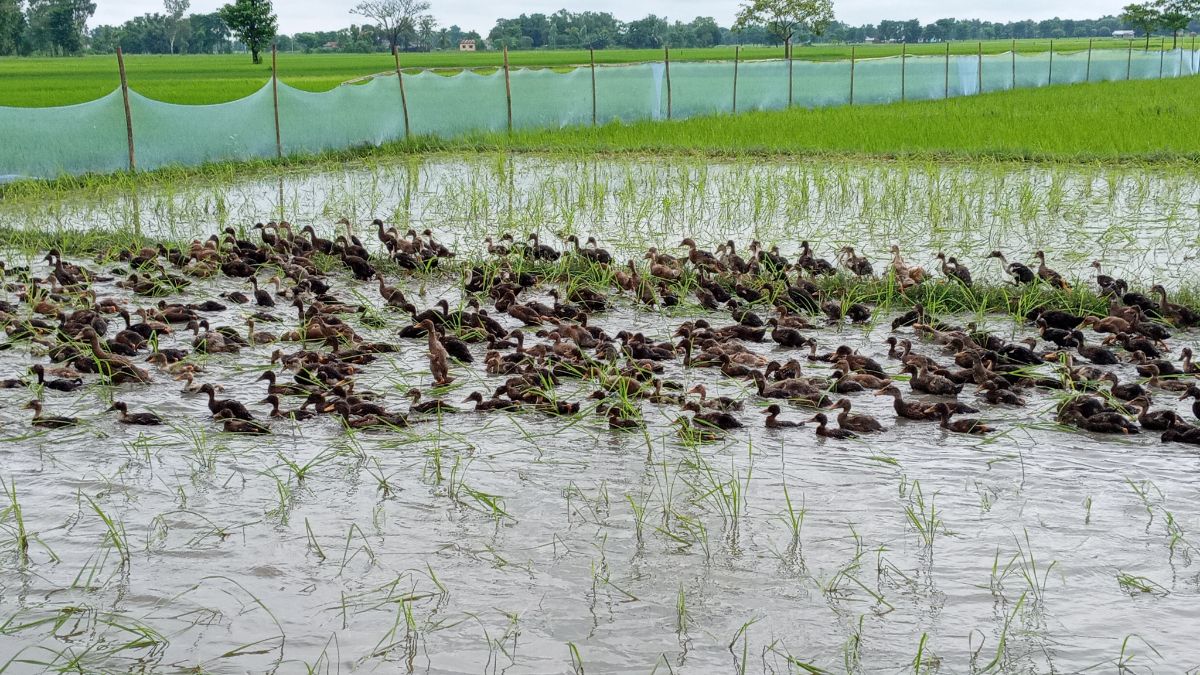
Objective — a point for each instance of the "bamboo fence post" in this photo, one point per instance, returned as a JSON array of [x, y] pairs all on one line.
[[670, 94], [275, 99], [852, 54], [1014, 64], [1179, 70], [1129, 61], [737, 54], [903, 72], [1050, 75], [403, 95], [946, 94], [1162, 55], [592, 52], [788, 48], [128, 112], [508, 90], [1088, 76], [979, 77]]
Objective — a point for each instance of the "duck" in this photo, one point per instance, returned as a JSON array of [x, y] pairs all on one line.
[[931, 383], [723, 403], [299, 414], [58, 384], [1193, 392], [963, 426], [1020, 273], [853, 422], [140, 419], [1168, 385], [694, 433], [281, 389], [240, 426], [49, 422], [713, 418], [1159, 420], [953, 270], [224, 407], [434, 407], [825, 432], [439, 358], [1048, 275], [1189, 435], [618, 420], [908, 409], [773, 422], [792, 389]]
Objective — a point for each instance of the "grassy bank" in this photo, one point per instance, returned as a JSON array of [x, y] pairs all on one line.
[[198, 79]]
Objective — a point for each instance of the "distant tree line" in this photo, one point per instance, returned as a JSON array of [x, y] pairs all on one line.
[[59, 27]]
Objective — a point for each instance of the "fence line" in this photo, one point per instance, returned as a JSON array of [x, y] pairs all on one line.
[[84, 138]]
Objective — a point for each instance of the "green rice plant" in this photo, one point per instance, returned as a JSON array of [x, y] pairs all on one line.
[[1126, 656], [115, 535], [923, 518], [1135, 585], [13, 512], [576, 658]]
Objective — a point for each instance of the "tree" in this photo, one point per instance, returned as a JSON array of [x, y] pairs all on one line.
[[209, 33], [12, 26], [396, 18], [59, 26], [253, 22], [1175, 15], [427, 25], [1144, 17], [175, 10], [783, 18]]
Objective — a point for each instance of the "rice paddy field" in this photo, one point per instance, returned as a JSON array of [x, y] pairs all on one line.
[[527, 541], [204, 79]]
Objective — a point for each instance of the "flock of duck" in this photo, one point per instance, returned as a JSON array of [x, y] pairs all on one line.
[[115, 326]]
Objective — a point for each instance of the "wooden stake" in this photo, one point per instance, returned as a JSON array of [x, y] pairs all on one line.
[[903, 71], [403, 96], [1050, 76], [1162, 55], [789, 47], [737, 55], [852, 50], [593, 55], [1088, 77], [1014, 64], [128, 112], [667, 61], [1129, 61], [275, 98], [508, 90], [947, 92], [980, 76]]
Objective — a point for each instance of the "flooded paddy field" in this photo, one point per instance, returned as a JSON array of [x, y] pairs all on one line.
[[534, 540]]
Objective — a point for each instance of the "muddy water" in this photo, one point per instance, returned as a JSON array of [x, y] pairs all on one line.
[[525, 543], [1140, 223], [529, 543]]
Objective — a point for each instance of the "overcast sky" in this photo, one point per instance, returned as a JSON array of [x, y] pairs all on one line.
[[307, 15]]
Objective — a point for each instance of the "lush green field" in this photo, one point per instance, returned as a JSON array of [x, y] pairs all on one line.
[[199, 79], [1150, 120]]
